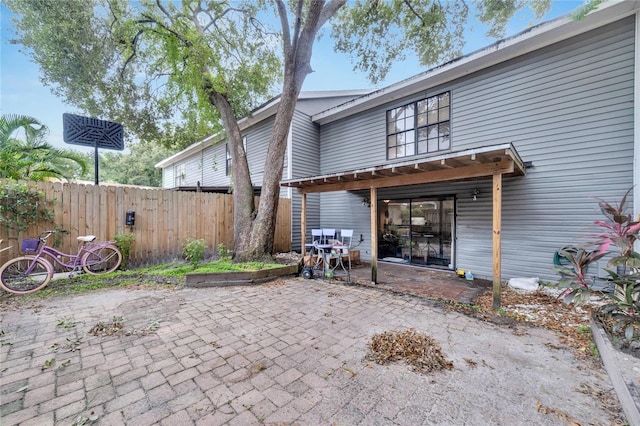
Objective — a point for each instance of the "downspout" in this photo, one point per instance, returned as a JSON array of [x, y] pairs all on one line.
[[636, 126]]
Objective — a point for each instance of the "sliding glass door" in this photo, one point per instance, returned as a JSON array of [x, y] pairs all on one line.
[[418, 231]]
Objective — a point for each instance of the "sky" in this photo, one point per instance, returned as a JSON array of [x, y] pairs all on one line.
[[21, 91]]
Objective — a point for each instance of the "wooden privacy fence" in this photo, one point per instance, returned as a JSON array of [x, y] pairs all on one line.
[[164, 219]]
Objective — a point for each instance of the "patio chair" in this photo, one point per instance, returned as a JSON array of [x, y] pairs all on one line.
[[346, 237], [328, 234]]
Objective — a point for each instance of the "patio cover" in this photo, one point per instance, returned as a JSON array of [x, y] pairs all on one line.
[[493, 162]]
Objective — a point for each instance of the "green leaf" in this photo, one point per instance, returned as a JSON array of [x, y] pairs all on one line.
[[628, 332]]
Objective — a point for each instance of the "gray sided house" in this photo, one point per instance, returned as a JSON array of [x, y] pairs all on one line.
[[487, 163], [206, 165]]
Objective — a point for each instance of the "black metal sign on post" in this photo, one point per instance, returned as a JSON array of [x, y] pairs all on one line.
[[87, 131]]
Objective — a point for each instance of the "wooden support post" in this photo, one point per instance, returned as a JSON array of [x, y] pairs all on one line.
[[497, 241], [373, 197], [303, 223]]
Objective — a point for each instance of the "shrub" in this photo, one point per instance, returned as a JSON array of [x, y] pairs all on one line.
[[21, 206], [224, 253], [619, 230], [193, 250], [124, 242]]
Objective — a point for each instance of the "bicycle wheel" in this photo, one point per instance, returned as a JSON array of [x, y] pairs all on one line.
[[14, 277], [102, 260]]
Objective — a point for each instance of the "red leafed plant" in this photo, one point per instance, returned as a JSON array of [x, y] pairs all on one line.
[[621, 231], [618, 229]]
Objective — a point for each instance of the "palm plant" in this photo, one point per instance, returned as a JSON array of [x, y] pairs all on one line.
[[33, 158]]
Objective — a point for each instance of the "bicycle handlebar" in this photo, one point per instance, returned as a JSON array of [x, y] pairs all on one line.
[[46, 234]]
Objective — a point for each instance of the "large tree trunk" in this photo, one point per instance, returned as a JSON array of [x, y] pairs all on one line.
[[297, 48], [243, 205]]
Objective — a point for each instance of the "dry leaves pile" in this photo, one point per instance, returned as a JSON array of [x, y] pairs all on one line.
[[116, 328], [543, 310], [419, 350]]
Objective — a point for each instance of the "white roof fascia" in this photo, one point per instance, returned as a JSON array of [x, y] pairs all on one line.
[[261, 113], [527, 41]]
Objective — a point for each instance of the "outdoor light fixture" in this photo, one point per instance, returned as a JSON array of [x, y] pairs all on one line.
[[366, 202], [130, 219], [475, 193]]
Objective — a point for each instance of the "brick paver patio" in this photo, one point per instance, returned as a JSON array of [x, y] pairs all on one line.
[[278, 354]]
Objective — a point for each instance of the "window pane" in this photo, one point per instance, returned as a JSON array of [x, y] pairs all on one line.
[[400, 137], [433, 131], [391, 153], [433, 103], [422, 119], [444, 142], [410, 149], [400, 151], [409, 110], [400, 127], [444, 129], [391, 127], [444, 99], [422, 133], [422, 106], [433, 116], [391, 141], [444, 114], [410, 137], [432, 145], [422, 146]]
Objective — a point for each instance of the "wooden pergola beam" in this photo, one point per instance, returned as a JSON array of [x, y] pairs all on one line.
[[460, 173]]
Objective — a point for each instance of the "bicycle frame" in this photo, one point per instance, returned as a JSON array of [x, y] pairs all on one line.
[[57, 256]]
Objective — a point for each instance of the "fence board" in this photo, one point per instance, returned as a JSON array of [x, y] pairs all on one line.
[[164, 219]]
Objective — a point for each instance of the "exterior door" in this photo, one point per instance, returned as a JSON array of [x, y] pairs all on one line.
[[419, 231]]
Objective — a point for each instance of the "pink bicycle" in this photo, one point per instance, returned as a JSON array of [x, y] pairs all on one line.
[[30, 273]]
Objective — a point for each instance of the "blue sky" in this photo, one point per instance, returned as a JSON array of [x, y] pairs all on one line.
[[21, 91]]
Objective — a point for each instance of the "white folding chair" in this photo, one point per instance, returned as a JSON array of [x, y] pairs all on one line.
[[346, 237], [316, 239], [328, 234]]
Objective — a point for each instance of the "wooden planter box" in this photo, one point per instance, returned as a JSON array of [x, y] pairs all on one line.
[[224, 279]]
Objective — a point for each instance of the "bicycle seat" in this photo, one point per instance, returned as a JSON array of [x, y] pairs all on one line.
[[87, 238]]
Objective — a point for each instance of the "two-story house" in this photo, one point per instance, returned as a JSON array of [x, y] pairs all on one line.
[[488, 162]]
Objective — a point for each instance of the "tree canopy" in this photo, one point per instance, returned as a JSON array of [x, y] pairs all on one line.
[[136, 167], [32, 157]]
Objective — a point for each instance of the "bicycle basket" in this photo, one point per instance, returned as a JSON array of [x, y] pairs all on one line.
[[30, 245]]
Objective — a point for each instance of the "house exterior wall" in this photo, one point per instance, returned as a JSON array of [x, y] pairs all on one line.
[[305, 151], [567, 108]]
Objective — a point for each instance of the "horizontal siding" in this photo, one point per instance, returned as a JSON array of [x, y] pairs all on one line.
[[305, 162], [344, 210], [258, 138], [567, 108], [214, 170], [353, 143], [167, 177]]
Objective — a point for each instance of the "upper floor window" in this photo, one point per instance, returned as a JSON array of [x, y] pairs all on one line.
[[420, 127], [179, 174]]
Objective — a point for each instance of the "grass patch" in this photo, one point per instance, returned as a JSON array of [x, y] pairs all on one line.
[[162, 275]]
